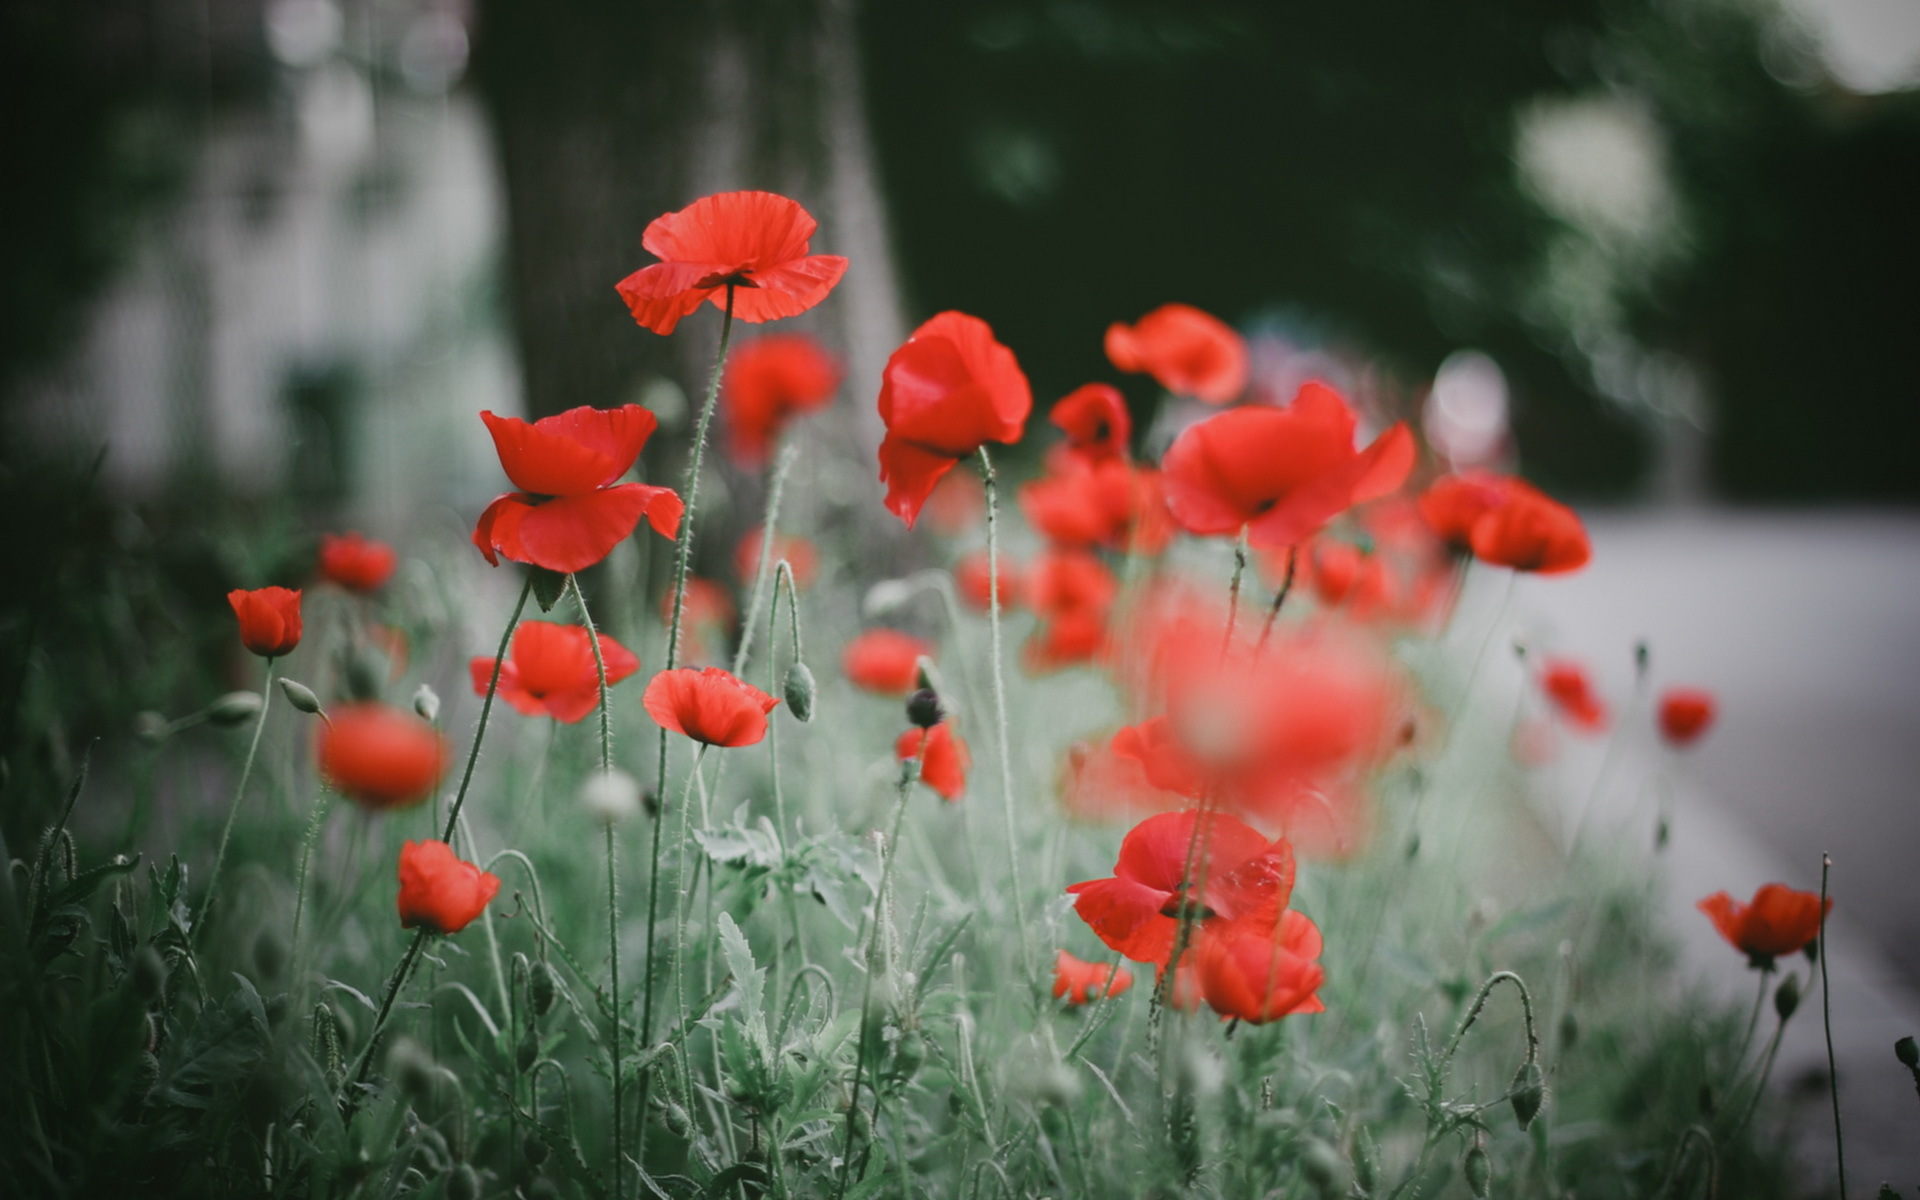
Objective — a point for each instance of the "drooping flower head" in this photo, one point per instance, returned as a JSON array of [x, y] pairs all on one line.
[[769, 381], [944, 759], [379, 756], [1082, 982], [440, 892], [946, 391], [1686, 714], [356, 563], [884, 661], [755, 243], [1567, 684], [550, 670], [569, 512], [1095, 419], [1778, 922], [269, 619], [1279, 473], [1187, 351], [709, 705]]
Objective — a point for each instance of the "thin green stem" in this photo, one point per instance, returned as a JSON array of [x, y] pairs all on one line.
[[1000, 719], [394, 985], [1233, 590], [1826, 1019], [1753, 1018], [239, 793], [613, 888], [1279, 598], [782, 578], [768, 521], [306, 856], [486, 709]]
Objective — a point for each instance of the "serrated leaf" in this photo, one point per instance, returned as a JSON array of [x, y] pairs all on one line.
[[750, 981], [84, 884], [734, 844], [223, 1046]]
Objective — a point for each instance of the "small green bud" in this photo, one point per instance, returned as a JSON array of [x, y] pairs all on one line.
[[150, 727], [1323, 1168], [463, 1183], [1908, 1052], [678, 1123], [148, 973], [924, 708], [1529, 1093], [1053, 1123], [1786, 997], [1569, 1029], [800, 690], [301, 696], [1477, 1168], [426, 702], [540, 986], [548, 587], [234, 708]]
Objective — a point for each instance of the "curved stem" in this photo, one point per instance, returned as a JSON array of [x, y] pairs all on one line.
[[246, 770], [767, 522], [486, 709], [1233, 590], [1480, 1002], [1000, 718]]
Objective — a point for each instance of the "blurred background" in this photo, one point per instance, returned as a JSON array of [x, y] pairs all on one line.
[[262, 261]]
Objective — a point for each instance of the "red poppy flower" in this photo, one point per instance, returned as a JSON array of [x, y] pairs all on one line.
[[1082, 982], [438, 891], [950, 388], [753, 242], [550, 670], [569, 513], [1187, 351], [356, 563], [1685, 714], [380, 756], [1779, 921], [1452, 504], [1567, 684], [884, 661], [770, 381], [1111, 503], [1281, 473], [1095, 419], [1259, 976], [1072, 592], [944, 765], [269, 619], [798, 552], [971, 580], [709, 705], [1240, 876], [1531, 532]]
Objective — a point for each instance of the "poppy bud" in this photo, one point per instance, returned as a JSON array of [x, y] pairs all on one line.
[[534, 1149], [678, 1123], [234, 708], [426, 702], [612, 795], [1477, 1168], [924, 708], [800, 690], [150, 727], [540, 989], [1529, 1090], [301, 696], [148, 973], [463, 1183], [412, 1068], [1908, 1052], [908, 1053], [1323, 1169], [1786, 997], [1053, 1124]]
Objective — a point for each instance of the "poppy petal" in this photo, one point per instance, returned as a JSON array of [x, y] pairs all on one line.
[[910, 472], [1125, 914], [573, 452], [660, 295], [732, 228], [572, 533], [784, 291]]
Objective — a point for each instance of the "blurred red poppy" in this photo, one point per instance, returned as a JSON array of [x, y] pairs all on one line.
[[769, 381], [1243, 877], [970, 579], [798, 552], [550, 670], [754, 243], [1187, 351], [958, 504], [379, 756], [1111, 503], [945, 761], [1531, 532], [1567, 684], [1686, 714], [1258, 975], [1095, 419], [569, 513], [949, 389], [1778, 922], [438, 891], [1072, 592], [1081, 982], [269, 619], [1279, 473], [709, 705], [359, 564], [1452, 504], [707, 609], [884, 661]]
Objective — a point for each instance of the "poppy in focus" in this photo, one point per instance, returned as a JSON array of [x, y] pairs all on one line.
[[569, 513], [1082, 982], [1568, 686], [884, 661], [768, 382], [438, 891], [1095, 419], [750, 247], [1778, 922], [1187, 351], [944, 761], [1257, 976], [269, 619], [946, 391], [550, 670], [379, 756], [1686, 714], [709, 705], [1279, 473], [356, 563]]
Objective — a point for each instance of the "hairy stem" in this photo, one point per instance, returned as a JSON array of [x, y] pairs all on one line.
[[246, 770], [1000, 719], [486, 709]]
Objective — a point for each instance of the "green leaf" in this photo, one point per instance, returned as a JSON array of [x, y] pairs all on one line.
[[750, 981], [223, 1046], [84, 884]]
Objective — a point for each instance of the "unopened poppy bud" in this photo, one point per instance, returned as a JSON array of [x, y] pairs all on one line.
[[541, 989], [148, 973], [613, 795], [426, 702], [301, 696], [885, 596], [1908, 1052], [1786, 997], [678, 1123], [463, 1183], [1529, 1093], [1053, 1123], [924, 708], [1323, 1168], [234, 708], [1477, 1169], [800, 690], [150, 727], [412, 1068]]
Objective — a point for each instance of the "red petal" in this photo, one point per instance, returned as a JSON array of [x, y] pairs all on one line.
[[572, 533], [784, 291], [910, 473], [660, 295], [572, 453], [759, 229], [1126, 916]]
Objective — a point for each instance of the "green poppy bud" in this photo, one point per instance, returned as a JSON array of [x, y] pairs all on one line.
[[151, 727], [924, 708], [463, 1183], [534, 1149], [1529, 1093], [541, 988], [1908, 1052], [234, 708], [800, 690], [300, 696], [1477, 1168], [1786, 997]]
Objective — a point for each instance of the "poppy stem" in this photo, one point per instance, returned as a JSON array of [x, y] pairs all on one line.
[[486, 709], [246, 770], [776, 485], [1000, 716], [1826, 1019], [782, 578], [1753, 1018], [1233, 590], [300, 888], [1480, 1002], [1279, 598], [399, 980]]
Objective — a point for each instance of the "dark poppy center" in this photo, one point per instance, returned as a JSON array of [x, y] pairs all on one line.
[[1181, 904]]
